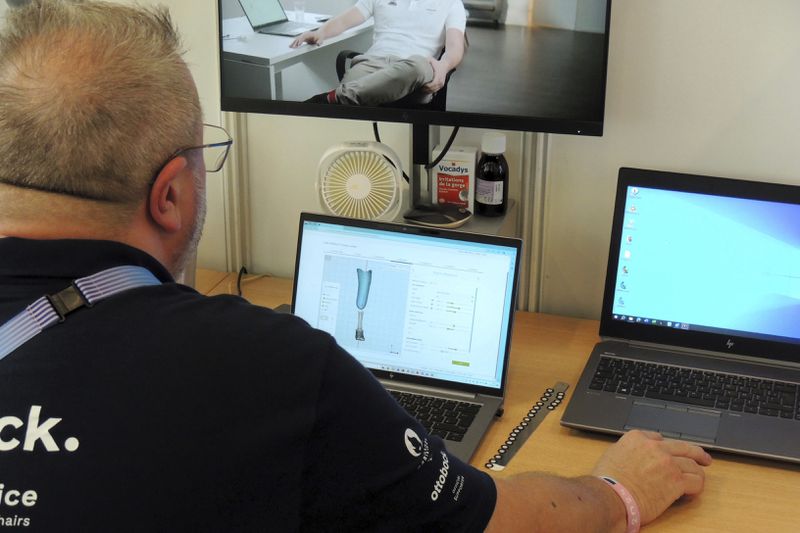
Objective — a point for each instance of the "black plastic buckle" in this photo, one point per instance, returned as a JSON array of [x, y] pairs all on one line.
[[67, 301]]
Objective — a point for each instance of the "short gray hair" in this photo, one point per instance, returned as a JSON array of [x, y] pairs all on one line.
[[94, 97]]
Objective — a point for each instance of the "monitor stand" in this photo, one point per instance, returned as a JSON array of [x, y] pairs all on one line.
[[421, 212]]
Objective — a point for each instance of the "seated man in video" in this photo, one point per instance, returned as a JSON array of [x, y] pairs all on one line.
[[409, 36]]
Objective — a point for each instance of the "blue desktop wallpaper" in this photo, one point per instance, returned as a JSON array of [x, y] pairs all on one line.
[[710, 262]]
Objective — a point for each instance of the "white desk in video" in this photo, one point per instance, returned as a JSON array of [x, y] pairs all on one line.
[[255, 65]]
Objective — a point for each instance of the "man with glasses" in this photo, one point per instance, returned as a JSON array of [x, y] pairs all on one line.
[[131, 403]]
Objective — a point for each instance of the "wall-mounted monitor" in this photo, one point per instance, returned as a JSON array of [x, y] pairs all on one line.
[[539, 66]]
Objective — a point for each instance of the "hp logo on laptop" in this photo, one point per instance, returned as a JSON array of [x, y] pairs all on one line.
[[729, 343]]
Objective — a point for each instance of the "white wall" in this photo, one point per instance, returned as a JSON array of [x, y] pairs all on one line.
[[580, 15], [706, 87]]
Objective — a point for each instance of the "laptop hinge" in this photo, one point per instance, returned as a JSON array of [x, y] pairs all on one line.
[[426, 389], [771, 363]]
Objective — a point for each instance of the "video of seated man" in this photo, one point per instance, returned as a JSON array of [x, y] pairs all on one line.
[[542, 59]]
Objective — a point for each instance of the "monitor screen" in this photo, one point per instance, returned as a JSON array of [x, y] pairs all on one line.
[[429, 304], [706, 263], [262, 12], [541, 67], [711, 263]]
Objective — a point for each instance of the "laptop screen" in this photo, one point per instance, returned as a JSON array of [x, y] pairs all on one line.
[[410, 301], [719, 257], [263, 12]]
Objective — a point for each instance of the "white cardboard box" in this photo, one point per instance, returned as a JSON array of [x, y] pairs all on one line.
[[453, 178]]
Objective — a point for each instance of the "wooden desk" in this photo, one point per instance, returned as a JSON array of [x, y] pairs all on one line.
[[206, 280], [742, 495]]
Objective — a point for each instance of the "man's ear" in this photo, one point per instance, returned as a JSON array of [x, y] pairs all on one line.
[[168, 194]]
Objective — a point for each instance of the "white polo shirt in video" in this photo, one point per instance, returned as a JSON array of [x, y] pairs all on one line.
[[404, 28]]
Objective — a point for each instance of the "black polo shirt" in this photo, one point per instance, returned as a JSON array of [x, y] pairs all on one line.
[[160, 409]]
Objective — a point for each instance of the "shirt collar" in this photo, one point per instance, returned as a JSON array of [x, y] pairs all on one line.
[[70, 258]]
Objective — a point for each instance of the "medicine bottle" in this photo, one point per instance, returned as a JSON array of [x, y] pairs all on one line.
[[491, 183]]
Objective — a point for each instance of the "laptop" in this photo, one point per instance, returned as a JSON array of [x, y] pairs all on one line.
[[428, 311], [700, 323], [268, 17]]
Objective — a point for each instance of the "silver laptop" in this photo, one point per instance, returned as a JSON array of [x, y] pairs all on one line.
[[701, 316], [269, 17], [428, 311]]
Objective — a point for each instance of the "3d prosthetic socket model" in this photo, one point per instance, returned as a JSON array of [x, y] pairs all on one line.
[[364, 281]]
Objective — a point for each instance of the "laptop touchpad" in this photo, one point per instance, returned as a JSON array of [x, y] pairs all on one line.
[[674, 421]]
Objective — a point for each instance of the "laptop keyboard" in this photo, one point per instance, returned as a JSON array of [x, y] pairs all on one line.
[[288, 26], [729, 392], [448, 419]]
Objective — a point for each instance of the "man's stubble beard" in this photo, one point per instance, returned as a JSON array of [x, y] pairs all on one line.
[[182, 256]]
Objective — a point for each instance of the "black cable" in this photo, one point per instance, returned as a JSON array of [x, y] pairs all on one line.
[[447, 146], [378, 139], [430, 165], [242, 272]]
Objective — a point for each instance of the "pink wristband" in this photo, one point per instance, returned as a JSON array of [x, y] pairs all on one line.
[[634, 518]]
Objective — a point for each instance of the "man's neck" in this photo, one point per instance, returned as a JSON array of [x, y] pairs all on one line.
[[51, 230]]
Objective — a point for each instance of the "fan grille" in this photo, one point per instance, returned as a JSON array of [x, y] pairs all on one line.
[[359, 184]]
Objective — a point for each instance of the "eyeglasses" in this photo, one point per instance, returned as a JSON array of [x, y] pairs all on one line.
[[216, 145]]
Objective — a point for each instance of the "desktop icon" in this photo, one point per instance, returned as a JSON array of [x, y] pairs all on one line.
[[629, 239], [627, 254], [635, 192], [624, 270], [622, 286]]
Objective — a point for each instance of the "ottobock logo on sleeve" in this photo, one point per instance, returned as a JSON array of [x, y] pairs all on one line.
[[417, 447], [413, 443], [15, 432], [438, 485]]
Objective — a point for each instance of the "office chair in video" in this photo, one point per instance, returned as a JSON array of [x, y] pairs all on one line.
[[437, 103]]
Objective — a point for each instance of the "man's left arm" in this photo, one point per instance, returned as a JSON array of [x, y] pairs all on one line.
[[453, 54]]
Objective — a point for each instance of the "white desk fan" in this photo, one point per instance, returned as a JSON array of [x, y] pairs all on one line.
[[361, 180]]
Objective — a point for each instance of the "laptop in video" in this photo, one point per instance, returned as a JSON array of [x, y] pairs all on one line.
[[700, 323], [427, 311], [269, 17]]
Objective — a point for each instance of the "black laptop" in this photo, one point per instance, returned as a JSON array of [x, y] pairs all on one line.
[[428, 311], [700, 322], [269, 17]]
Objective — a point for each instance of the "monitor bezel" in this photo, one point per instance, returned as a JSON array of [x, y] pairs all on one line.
[[691, 339]]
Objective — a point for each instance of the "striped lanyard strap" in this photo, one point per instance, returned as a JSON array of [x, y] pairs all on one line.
[[53, 308]]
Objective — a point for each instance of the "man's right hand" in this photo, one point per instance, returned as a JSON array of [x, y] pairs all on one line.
[[310, 37], [656, 471]]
